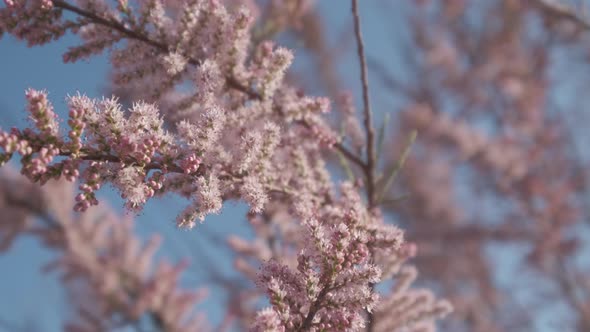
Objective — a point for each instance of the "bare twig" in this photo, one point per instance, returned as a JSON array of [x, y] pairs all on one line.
[[350, 155], [368, 115], [342, 149]]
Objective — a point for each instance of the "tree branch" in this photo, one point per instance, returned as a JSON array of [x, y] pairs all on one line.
[[368, 115], [370, 131], [231, 82]]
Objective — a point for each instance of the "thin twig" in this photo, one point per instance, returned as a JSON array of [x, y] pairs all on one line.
[[340, 147], [350, 155], [370, 131], [368, 115]]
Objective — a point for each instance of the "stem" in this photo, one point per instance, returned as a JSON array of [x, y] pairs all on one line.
[[370, 131], [173, 168], [313, 310], [368, 114], [349, 155], [345, 152]]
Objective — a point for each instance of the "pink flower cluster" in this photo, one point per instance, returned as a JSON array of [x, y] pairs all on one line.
[[323, 279], [227, 127]]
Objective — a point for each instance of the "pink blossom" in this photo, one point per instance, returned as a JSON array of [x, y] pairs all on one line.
[[213, 119]]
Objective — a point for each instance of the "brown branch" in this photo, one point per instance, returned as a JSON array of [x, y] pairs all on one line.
[[115, 25], [115, 159], [370, 131], [340, 147], [368, 115], [350, 155], [314, 309]]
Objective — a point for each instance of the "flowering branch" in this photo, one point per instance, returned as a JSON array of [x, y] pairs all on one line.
[[238, 132], [230, 81]]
